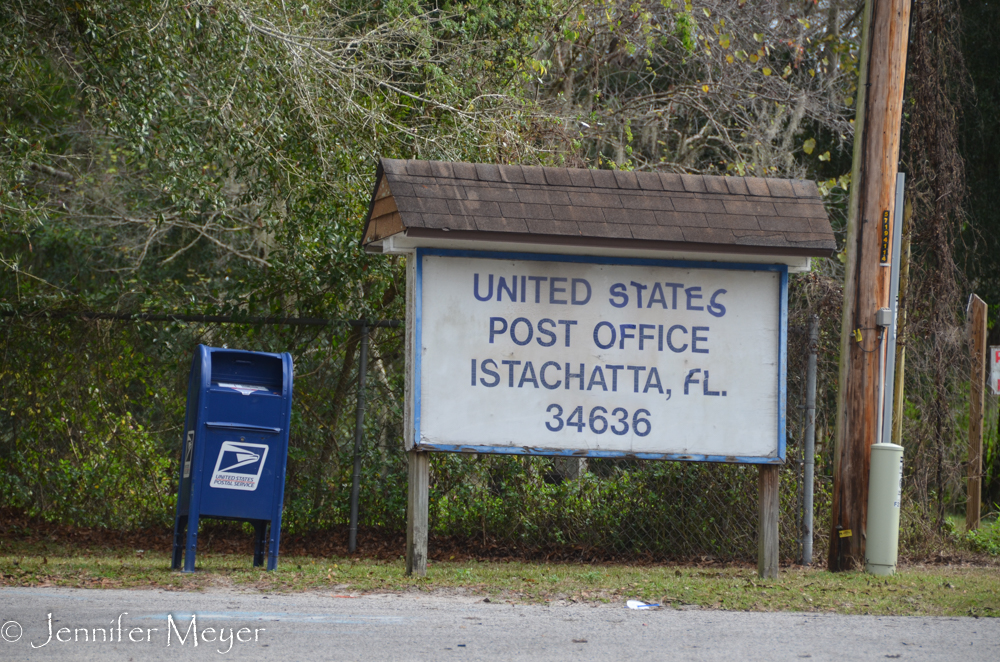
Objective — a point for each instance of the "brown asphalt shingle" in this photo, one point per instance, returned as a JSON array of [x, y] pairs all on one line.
[[630, 209]]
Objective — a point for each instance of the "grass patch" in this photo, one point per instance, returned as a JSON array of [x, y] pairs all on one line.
[[915, 590]]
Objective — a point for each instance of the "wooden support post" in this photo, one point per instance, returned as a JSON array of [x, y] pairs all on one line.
[[977, 345], [767, 521], [417, 504], [866, 280]]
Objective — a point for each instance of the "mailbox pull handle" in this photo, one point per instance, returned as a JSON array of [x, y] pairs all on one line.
[[241, 426]]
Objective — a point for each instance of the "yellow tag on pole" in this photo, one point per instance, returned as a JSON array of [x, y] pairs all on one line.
[[884, 253], [845, 533]]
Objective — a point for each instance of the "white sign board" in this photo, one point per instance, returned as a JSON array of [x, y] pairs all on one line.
[[597, 357], [995, 370]]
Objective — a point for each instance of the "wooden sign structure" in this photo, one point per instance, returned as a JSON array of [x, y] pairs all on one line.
[[595, 313]]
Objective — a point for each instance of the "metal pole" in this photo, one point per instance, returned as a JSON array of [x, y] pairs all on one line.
[[881, 381], [810, 459], [888, 390], [359, 425]]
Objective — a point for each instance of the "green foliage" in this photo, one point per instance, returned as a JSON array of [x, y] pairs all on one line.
[[618, 507], [216, 157], [84, 438], [985, 539]]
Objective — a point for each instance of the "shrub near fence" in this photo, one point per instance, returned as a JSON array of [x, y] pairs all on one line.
[[624, 509], [94, 434]]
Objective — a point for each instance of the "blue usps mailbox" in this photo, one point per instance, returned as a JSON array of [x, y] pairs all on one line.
[[235, 447]]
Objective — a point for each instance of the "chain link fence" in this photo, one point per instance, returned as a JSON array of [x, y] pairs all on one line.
[[92, 437], [504, 506]]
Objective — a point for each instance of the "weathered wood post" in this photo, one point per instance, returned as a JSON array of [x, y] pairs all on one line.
[[866, 286], [767, 521], [417, 505], [977, 345]]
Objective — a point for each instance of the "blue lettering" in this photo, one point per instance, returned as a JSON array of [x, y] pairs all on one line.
[[524, 375], [614, 375], [553, 290], [656, 296], [597, 340], [675, 287], [491, 373], [575, 300], [502, 287], [695, 339], [639, 287], [475, 288], [692, 294], [473, 372], [653, 374], [617, 292], [567, 324], [537, 280], [636, 369], [642, 334], [541, 374], [715, 308], [570, 375], [513, 328], [690, 379], [545, 332], [594, 379], [510, 367], [705, 386], [670, 336], [495, 331], [625, 337]]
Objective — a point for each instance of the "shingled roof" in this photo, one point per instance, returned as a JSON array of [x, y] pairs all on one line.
[[599, 208]]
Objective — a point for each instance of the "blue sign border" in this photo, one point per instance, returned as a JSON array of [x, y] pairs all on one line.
[[588, 259]]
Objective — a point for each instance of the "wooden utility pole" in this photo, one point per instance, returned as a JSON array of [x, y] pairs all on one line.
[[977, 346], [866, 282]]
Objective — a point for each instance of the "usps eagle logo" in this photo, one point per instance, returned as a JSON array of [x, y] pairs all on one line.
[[239, 466]]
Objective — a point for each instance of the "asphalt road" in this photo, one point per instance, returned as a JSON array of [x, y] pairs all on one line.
[[160, 625]]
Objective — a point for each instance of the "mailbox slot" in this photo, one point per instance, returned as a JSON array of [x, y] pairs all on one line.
[[246, 373]]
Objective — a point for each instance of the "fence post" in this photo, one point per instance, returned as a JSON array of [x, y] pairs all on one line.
[[417, 505], [767, 521], [977, 341], [810, 450], [359, 430]]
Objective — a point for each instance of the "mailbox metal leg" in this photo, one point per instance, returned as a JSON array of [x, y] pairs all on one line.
[[180, 528], [192, 543], [272, 549], [259, 531]]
